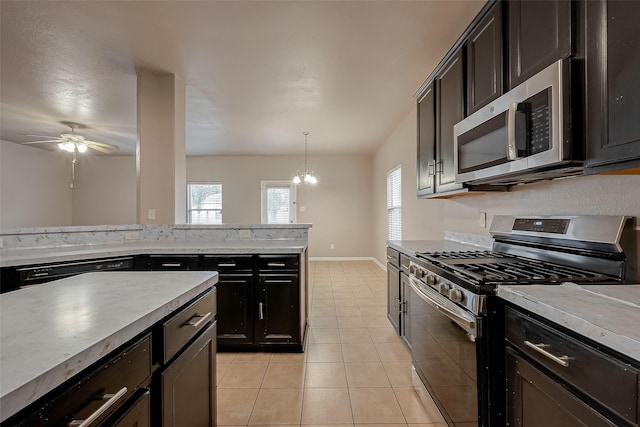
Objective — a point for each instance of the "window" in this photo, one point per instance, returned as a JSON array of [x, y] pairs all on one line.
[[278, 202], [204, 204], [394, 203]]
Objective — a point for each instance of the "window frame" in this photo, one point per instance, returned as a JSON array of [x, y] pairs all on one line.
[[264, 186], [391, 206], [190, 210]]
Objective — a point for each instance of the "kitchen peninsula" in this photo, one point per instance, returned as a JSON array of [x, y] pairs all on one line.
[[108, 334]]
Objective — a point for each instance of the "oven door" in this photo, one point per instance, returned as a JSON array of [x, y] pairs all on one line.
[[444, 342], [521, 130]]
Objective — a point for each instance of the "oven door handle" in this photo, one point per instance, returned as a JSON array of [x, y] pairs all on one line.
[[449, 309]]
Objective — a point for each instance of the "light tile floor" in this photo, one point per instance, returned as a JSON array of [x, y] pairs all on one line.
[[355, 370]]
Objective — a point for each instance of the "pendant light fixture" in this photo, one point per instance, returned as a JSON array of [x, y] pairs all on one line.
[[306, 175]]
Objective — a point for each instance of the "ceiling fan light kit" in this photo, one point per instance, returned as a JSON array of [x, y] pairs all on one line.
[[306, 175], [72, 142]]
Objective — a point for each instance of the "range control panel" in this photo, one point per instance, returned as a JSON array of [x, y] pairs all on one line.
[[543, 225]]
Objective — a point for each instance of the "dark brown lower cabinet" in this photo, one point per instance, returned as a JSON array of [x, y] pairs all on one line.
[[235, 314], [278, 317], [188, 385], [536, 400]]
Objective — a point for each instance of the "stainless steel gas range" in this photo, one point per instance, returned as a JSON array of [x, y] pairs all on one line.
[[457, 321]]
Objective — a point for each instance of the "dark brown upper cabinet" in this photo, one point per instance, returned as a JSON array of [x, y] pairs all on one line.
[[426, 141], [449, 111], [613, 89], [484, 60], [539, 35]]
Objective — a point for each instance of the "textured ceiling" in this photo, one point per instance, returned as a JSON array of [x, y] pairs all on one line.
[[258, 73]]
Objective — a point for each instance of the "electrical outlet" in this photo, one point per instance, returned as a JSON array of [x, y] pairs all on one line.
[[482, 220], [244, 234], [151, 214], [332, 246], [302, 209], [131, 235]]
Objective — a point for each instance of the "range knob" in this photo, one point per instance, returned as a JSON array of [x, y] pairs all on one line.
[[430, 280], [456, 295], [443, 288]]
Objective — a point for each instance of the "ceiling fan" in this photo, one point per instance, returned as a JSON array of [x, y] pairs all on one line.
[[73, 142]]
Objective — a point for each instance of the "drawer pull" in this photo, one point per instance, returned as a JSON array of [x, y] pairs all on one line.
[[227, 264], [203, 318], [260, 311], [540, 348], [171, 264], [112, 399], [276, 264]]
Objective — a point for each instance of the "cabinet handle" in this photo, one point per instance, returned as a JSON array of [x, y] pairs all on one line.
[[276, 264], [540, 348], [227, 264], [431, 169], [439, 169], [260, 311], [171, 264], [203, 318], [112, 399], [402, 307]]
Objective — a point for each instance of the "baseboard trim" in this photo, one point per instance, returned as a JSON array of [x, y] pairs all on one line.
[[357, 258]]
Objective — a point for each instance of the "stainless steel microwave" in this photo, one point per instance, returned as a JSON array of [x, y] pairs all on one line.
[[525, 135]]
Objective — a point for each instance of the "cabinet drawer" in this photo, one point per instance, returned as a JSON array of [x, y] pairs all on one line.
[[187, 323], [278, 262], [404, 263], [393, 257], [171, 262], [610, 382], [102, 392], [240, 263]]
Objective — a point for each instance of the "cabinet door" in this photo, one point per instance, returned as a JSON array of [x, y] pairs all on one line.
[[405, 310], [536, 400], [484, 60], [539, 35], [393, 296], [188, 385], [613, 91], [235, 310], [426, 141], [278, 310], [449, 111]]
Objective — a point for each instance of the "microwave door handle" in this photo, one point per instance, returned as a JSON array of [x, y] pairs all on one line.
[[512, 149]]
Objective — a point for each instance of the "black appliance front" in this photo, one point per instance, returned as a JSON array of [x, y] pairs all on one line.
[[454, 365]]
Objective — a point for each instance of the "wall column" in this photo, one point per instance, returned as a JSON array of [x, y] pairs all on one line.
[[160, 150]]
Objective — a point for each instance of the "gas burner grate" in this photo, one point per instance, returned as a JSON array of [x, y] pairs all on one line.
[[487, 267]]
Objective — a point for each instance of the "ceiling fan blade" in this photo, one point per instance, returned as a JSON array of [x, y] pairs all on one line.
[[40, 142], [102, 144], [100, 149], [42, 136]]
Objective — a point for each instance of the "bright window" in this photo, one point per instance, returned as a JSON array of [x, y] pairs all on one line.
[[278, 202], [394, 203], [204, 204]]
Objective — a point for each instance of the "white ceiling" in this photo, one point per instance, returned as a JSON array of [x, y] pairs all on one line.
[[258, 73]]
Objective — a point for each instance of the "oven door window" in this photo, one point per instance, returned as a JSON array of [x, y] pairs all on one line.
[[483, 146], [445, 359]]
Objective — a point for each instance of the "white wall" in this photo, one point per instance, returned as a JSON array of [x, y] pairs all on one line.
[[105, 190], [34, 187], [339, 206], [428, 219]]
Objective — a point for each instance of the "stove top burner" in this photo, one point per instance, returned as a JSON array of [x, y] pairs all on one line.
[[488, 267]]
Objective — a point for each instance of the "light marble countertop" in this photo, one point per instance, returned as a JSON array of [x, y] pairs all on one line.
[[50, 332], [27, 256], [606, 314], [411, 247]]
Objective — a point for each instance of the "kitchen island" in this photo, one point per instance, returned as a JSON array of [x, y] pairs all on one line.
[[53, 332]]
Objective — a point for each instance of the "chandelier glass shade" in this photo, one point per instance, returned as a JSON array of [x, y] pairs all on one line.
[[305, 176]]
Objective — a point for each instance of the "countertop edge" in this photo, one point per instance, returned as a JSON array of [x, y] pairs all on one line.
[[15, 400], [18, 257]]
